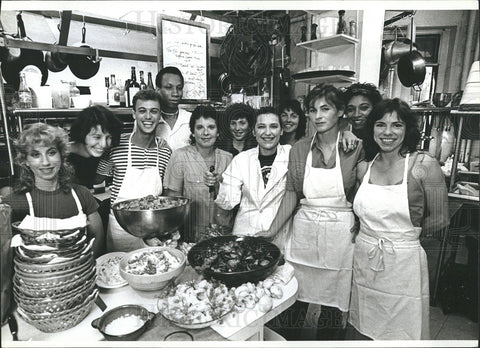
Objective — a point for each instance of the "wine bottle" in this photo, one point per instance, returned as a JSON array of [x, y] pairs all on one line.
[[113, 92], [150, 83], [132, 89], [142, 81]]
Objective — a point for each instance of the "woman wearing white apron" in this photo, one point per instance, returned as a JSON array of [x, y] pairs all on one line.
[[44, 198], [390, 290], [141, 174], [320, 243]]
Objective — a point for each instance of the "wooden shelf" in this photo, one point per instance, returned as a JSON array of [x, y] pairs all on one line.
[[465, 113], [327, 42]]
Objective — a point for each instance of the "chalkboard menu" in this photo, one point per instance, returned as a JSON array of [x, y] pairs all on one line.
[[184, 44]]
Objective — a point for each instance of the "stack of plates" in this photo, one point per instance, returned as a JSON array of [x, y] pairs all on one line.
[[54, 280]]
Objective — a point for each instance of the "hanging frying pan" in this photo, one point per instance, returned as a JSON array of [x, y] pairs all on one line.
[[83, 67], [411, 67], [11, 69]]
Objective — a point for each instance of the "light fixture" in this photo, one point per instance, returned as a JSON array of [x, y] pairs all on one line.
[[471, 94]]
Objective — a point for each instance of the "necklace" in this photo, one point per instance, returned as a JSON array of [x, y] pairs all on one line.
[[169, 113]]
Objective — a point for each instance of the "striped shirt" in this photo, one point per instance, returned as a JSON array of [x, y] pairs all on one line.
[[115, 164]]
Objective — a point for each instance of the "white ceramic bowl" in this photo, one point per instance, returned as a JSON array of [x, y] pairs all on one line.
[[147, 282]]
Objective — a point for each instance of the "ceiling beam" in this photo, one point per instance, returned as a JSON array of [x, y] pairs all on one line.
[[64, 27]]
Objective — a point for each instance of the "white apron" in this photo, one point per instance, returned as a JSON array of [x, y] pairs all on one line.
[[320, 246], [390, 291], [42, 223], [137, 183]]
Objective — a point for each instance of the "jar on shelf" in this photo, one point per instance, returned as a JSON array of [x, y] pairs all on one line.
[[74, 92], [61, 96]]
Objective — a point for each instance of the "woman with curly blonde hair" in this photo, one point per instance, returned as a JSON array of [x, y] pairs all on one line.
[[44, 194]]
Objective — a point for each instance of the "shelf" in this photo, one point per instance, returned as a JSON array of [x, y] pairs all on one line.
[[465, 113], [325, 76], [327, 42], [470, 198], [468, 173], [54, 112]]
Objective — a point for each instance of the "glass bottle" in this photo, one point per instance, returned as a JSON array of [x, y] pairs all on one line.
[[150, 83], [24, 93], [265, 93], [74, 92], [107, 86], [143, 85], [113, 92], [132, 89]]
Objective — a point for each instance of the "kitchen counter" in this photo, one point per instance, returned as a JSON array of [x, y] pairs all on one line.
[[246, 325]]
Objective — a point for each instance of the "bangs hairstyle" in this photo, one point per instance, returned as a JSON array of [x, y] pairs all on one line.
[[332, 95], [368, 90], [145, 94], [92, 117], [167, 70], [405, 114], [267, 110], [296, 107], [204, 111], [35, 135], [235, 112]]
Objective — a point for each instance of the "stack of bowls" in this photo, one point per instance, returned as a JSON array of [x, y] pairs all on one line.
[[54, 278]]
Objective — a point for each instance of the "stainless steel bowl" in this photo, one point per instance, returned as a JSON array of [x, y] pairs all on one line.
[[152, 222]]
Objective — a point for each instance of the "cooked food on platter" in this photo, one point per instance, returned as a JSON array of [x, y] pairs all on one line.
[[150, 262], [152, 203], [108, 270], [196, 304]]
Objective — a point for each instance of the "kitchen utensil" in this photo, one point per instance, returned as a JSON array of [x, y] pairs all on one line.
[[442, 99], [56, 61], [11, 69], [13, 326], [124, 311], [150, 282], [83, 67], [153, 222], [199, 252], [411, 67]]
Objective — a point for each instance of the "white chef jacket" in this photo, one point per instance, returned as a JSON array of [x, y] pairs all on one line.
[[179, 136], [243, 183]]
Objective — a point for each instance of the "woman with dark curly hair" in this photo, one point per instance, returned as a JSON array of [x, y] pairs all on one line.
[[402, 197], [194, 171], [294, 122], [236, 129], [360, 99], [44, 195], [93, 132]]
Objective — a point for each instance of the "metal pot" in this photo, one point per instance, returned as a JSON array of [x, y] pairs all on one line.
[[11, 69], [56, 61], [411, 66], [83, 67], [411, 69]]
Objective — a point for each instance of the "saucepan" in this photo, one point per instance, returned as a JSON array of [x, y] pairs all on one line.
[[411, 67]]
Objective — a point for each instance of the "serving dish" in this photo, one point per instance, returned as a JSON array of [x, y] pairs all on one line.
[[157, 281], [144, 222], [196, 305], [123, 311], [211, 256], [108, 270]]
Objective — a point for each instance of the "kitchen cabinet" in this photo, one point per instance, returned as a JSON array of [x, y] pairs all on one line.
[[330, 47]]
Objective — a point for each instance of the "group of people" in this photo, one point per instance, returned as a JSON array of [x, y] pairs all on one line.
[[347, 206]]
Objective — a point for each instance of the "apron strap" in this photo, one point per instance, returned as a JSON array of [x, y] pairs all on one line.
[[77, 201], [30, 204], [405, 170]]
